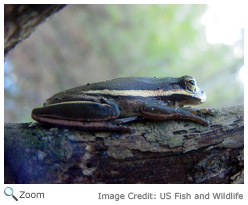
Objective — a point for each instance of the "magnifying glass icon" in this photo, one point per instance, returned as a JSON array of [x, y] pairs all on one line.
[[8, 191]]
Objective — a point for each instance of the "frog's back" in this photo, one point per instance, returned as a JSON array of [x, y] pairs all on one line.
[[129, 83]]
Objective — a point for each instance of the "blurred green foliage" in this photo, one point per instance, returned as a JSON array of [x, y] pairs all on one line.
[[147, 39], [90, 43]]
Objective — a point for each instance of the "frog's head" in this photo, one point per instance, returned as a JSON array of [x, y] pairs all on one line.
[[187, 92], [195, 94]]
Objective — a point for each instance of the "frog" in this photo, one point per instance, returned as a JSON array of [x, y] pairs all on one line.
[[111, 104]]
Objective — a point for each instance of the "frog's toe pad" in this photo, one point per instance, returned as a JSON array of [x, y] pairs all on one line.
[[207, 111]]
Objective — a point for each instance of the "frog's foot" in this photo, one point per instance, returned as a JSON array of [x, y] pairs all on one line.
[[203, 111], [125, 120]]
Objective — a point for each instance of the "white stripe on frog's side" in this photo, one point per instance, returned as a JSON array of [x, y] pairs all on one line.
[[139, 93]]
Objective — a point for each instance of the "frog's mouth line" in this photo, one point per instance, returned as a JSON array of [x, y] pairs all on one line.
[[181, 100]]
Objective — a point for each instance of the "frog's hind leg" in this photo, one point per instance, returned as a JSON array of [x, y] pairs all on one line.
[[73, 113], [77, 111], [85, 115]]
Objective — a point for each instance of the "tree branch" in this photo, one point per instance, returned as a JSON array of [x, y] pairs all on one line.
[[21, 20], [156, 152]]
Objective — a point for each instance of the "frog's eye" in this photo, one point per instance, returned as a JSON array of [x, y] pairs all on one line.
[[191, 85]]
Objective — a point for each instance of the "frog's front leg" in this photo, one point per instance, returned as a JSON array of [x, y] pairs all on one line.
[[201, 111], [163, 112]]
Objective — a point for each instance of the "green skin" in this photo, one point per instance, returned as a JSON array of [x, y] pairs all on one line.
[[107, 105]]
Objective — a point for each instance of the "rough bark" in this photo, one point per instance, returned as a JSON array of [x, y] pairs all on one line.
[[21, 20], [156, 152]]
